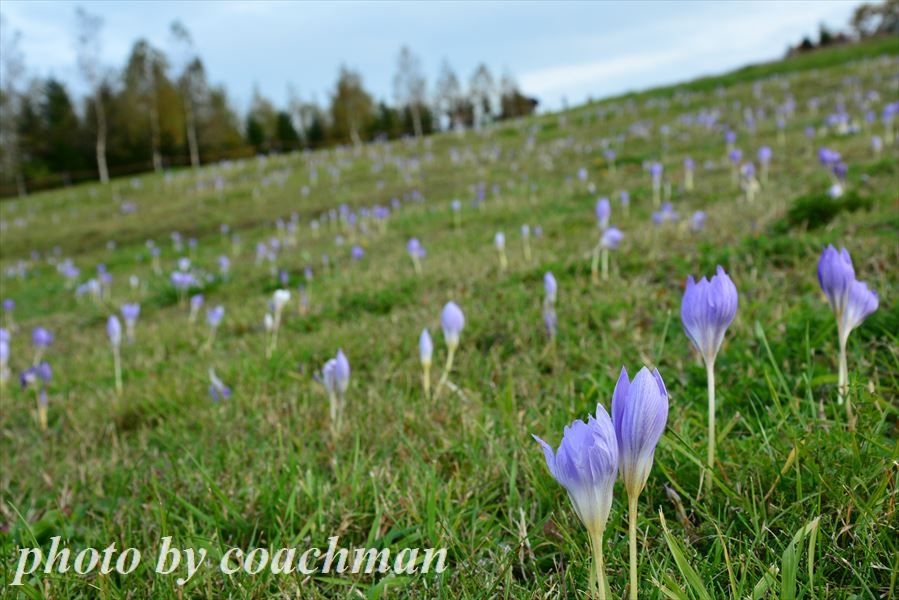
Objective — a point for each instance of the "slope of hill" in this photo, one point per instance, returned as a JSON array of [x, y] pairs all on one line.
[[265, 468]]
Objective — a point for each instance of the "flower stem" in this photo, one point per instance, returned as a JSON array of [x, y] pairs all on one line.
[[594, 266], [117, 365], [843, 383], [843, 376], [446, 370], [599, 564], [605, 264], [632, 539], [426, 380], [710, 373]]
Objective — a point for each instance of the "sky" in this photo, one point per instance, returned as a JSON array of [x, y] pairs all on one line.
[[557, 51]]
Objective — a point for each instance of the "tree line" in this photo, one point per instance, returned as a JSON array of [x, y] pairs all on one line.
[[160, 110]]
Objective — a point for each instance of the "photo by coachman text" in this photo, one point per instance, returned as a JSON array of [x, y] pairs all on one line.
[[186, 562]]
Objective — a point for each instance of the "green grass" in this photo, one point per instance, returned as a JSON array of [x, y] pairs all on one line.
[[803, 507]]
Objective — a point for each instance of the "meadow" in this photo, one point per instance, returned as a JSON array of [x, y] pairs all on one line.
[[803, 504]]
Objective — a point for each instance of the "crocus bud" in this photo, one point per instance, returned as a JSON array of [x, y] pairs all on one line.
[[268, 321], [215, 315], [550, 287], [860, 303], [425, 348], [707, 309], [41, 338], [603, 212], [611, 238], [639, 412], [586, 465], [218, 391], [328, 377], [341, 372], [500, 240], [114, 330], [850, 299], [130, 312], [279, 299], [452, 320]]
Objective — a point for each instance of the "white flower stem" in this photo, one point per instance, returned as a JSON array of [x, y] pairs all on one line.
[[632, 542], [446, 370], [598, 563], [594, 266], [426, 380], [605, 264], [117, 365], [710, 374], [843, 380]]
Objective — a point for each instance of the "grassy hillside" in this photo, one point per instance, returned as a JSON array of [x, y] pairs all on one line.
[[461, 471]]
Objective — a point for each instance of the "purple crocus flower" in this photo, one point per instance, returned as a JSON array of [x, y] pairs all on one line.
[[764, 155], [41, 338], [218, 391], [603, 212], [452, 320], [40, 373], [697, 221], [114, 331], [656, 169], [550, 287], [214, 316], [735, 156], [850, 299], [835, 275], [625, 198], [639, 413], [415, 249], [586, 465], [828, 157], [196, 302], [611, 238], [707, 310], [425, 348], [130, 312], [9, 305], [341, 372], [357, 253]]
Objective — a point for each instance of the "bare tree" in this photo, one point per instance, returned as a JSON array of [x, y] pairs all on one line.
[[88, 41], [482, 91], [448, 97], [409, 86], [12, 67], [192, 83]]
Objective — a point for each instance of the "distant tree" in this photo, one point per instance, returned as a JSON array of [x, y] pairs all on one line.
[[12, 68], [144, 74], [88, 43], [60, 136], [876, 19], [285, 134], [825, 36], [218, 125], [315, 128], [192, 85], [481, 91], [513, 103], [386, 123], [449, 100], [409, 87], [262, 122], [351, 107]]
